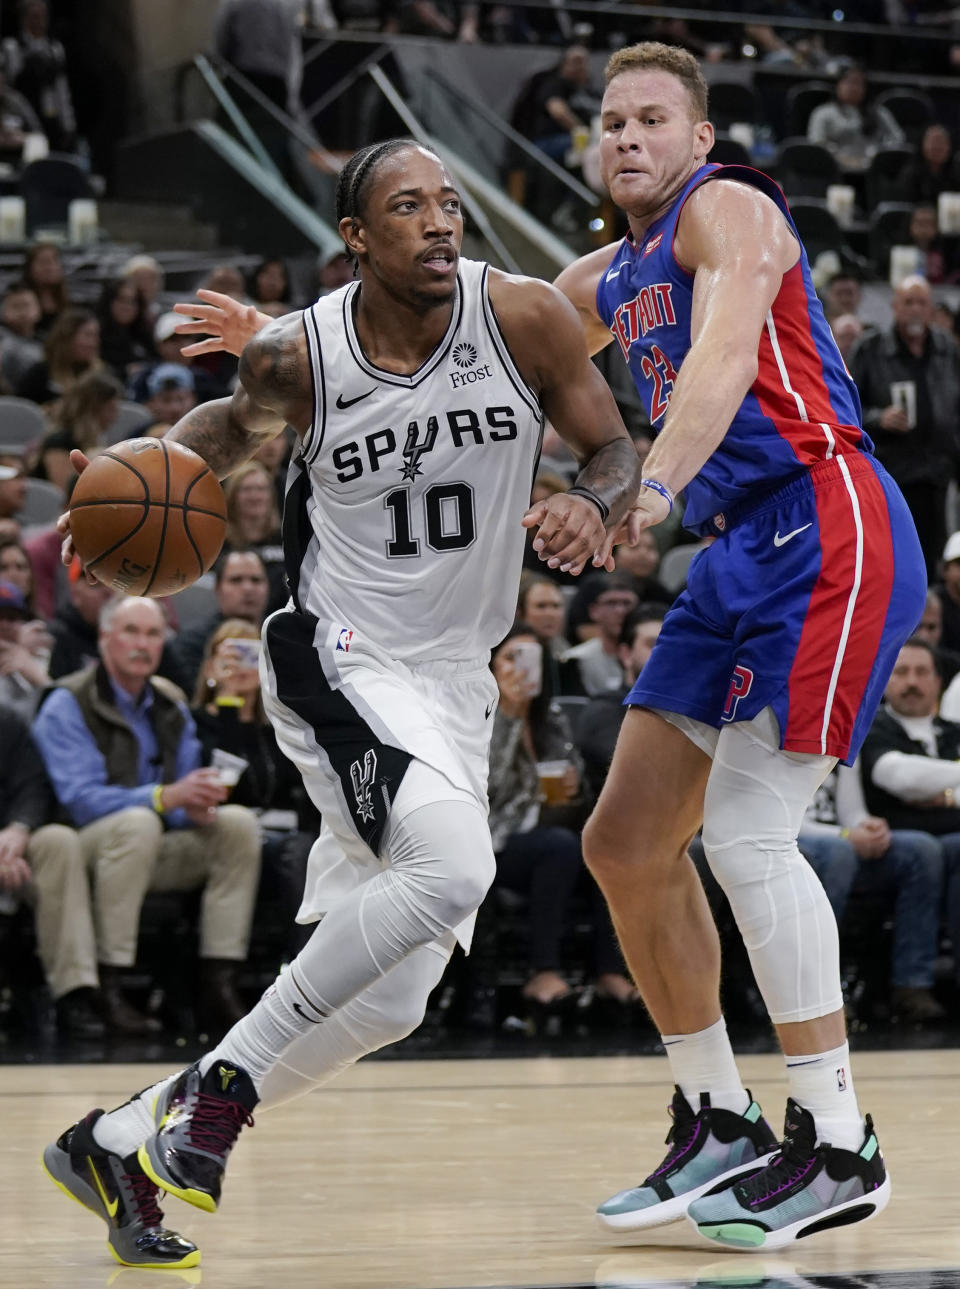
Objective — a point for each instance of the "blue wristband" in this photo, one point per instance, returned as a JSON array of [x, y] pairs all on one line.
[[662, 488]]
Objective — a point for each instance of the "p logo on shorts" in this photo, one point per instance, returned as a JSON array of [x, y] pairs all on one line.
[[741, 682]]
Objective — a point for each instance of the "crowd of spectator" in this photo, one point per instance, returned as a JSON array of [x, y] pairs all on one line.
[[124, 729]]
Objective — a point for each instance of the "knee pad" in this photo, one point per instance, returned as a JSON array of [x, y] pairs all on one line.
[[755, 801], [442, 854]]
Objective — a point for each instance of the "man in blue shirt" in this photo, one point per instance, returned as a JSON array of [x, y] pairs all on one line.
[[123, 757]]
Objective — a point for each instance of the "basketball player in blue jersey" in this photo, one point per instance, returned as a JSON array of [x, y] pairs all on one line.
[[418, 395], [767, 671]]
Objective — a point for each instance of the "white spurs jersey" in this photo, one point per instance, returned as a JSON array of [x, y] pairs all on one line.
[[403, 506]]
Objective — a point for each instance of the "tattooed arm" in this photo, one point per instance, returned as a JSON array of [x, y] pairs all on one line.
[[274, 390], [546, 339]]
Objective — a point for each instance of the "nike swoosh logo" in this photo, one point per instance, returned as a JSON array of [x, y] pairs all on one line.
[[486, 715], [110, 1207], [344, 403], [782, 541], [300, 1012]]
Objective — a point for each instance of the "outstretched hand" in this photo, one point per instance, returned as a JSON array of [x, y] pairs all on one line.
[[226, 322]]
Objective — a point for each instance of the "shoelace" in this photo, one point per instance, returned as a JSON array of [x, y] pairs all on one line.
[[145, 1199], [215, 1124], [681, 1137], [789, 1166]]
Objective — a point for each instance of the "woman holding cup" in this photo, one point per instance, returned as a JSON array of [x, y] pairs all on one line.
[[537, 806]]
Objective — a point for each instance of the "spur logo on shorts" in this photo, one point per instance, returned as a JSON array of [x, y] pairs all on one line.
[[741, 682], [362, 776]]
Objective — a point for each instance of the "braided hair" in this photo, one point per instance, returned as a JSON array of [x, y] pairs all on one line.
[[355, 177]]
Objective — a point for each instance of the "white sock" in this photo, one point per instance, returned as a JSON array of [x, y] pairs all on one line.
[[823, 1084], [704, 1062], [127, 1127]]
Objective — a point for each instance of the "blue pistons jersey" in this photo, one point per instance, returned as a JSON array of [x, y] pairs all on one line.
[[816, 577], [802, 408]]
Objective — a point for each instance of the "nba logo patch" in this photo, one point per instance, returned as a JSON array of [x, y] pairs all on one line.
[[841, 1079], [343, 640], [654, 244]]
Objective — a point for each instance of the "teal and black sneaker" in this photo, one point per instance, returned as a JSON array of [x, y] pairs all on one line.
[[708, 1150], [198, 1121], [117, 1191], [806, 1189]]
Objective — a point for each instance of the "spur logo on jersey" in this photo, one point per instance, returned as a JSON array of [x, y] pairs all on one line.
[[651, 307], [362, 776], [414, 448], [463, 428], [464, 354], [741, 682]]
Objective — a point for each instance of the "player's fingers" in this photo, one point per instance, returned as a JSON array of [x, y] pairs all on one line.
[[79, 460], [225, 302], [190, 309], [213, 346], [535, 515], [198, 326]]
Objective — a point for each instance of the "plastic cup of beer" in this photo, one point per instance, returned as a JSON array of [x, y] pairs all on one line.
[[552, 775], [228, 767]]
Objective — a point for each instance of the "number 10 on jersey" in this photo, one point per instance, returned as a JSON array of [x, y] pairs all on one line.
[[449, 519]]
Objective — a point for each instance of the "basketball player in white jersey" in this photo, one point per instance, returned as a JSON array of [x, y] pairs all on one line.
[[418, 395]]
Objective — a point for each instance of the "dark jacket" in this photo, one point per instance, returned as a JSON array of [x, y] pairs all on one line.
[[927, 453], [113, 735], [76, 647], [595, 731], [25, 793], [888, 735]]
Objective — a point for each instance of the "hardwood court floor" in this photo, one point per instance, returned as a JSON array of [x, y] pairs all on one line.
[[447, 1174]]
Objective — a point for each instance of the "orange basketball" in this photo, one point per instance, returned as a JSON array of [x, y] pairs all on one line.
[[147, 517]]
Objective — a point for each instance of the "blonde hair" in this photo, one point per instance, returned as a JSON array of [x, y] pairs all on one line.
[[235, 535], [651, 55]]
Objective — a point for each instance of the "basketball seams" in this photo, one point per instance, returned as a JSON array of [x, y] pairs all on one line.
[[166, 517], [187, 508]]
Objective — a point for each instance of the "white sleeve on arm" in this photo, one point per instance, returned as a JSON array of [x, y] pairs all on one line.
[[915, 778], [950, 702], [851, 807]]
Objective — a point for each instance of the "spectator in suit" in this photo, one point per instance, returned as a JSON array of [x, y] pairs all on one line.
[[911, 766], [43, 863], [122, 754], [909, 383], [241, 591]]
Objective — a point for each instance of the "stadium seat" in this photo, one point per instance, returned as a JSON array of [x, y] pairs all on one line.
[[21, 422], [48, 186], [805, 169], [800, 101], [731, 101], [728, 152], [912, 110], [43, 505], [882, 178], [130, 418], [675, 564], [818, 229], [889, 226]]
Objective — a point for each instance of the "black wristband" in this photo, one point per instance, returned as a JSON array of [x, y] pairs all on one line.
[[579, 491]]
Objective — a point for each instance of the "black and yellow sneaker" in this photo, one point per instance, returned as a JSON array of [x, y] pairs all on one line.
[[198, 1121], [118, 1191]]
